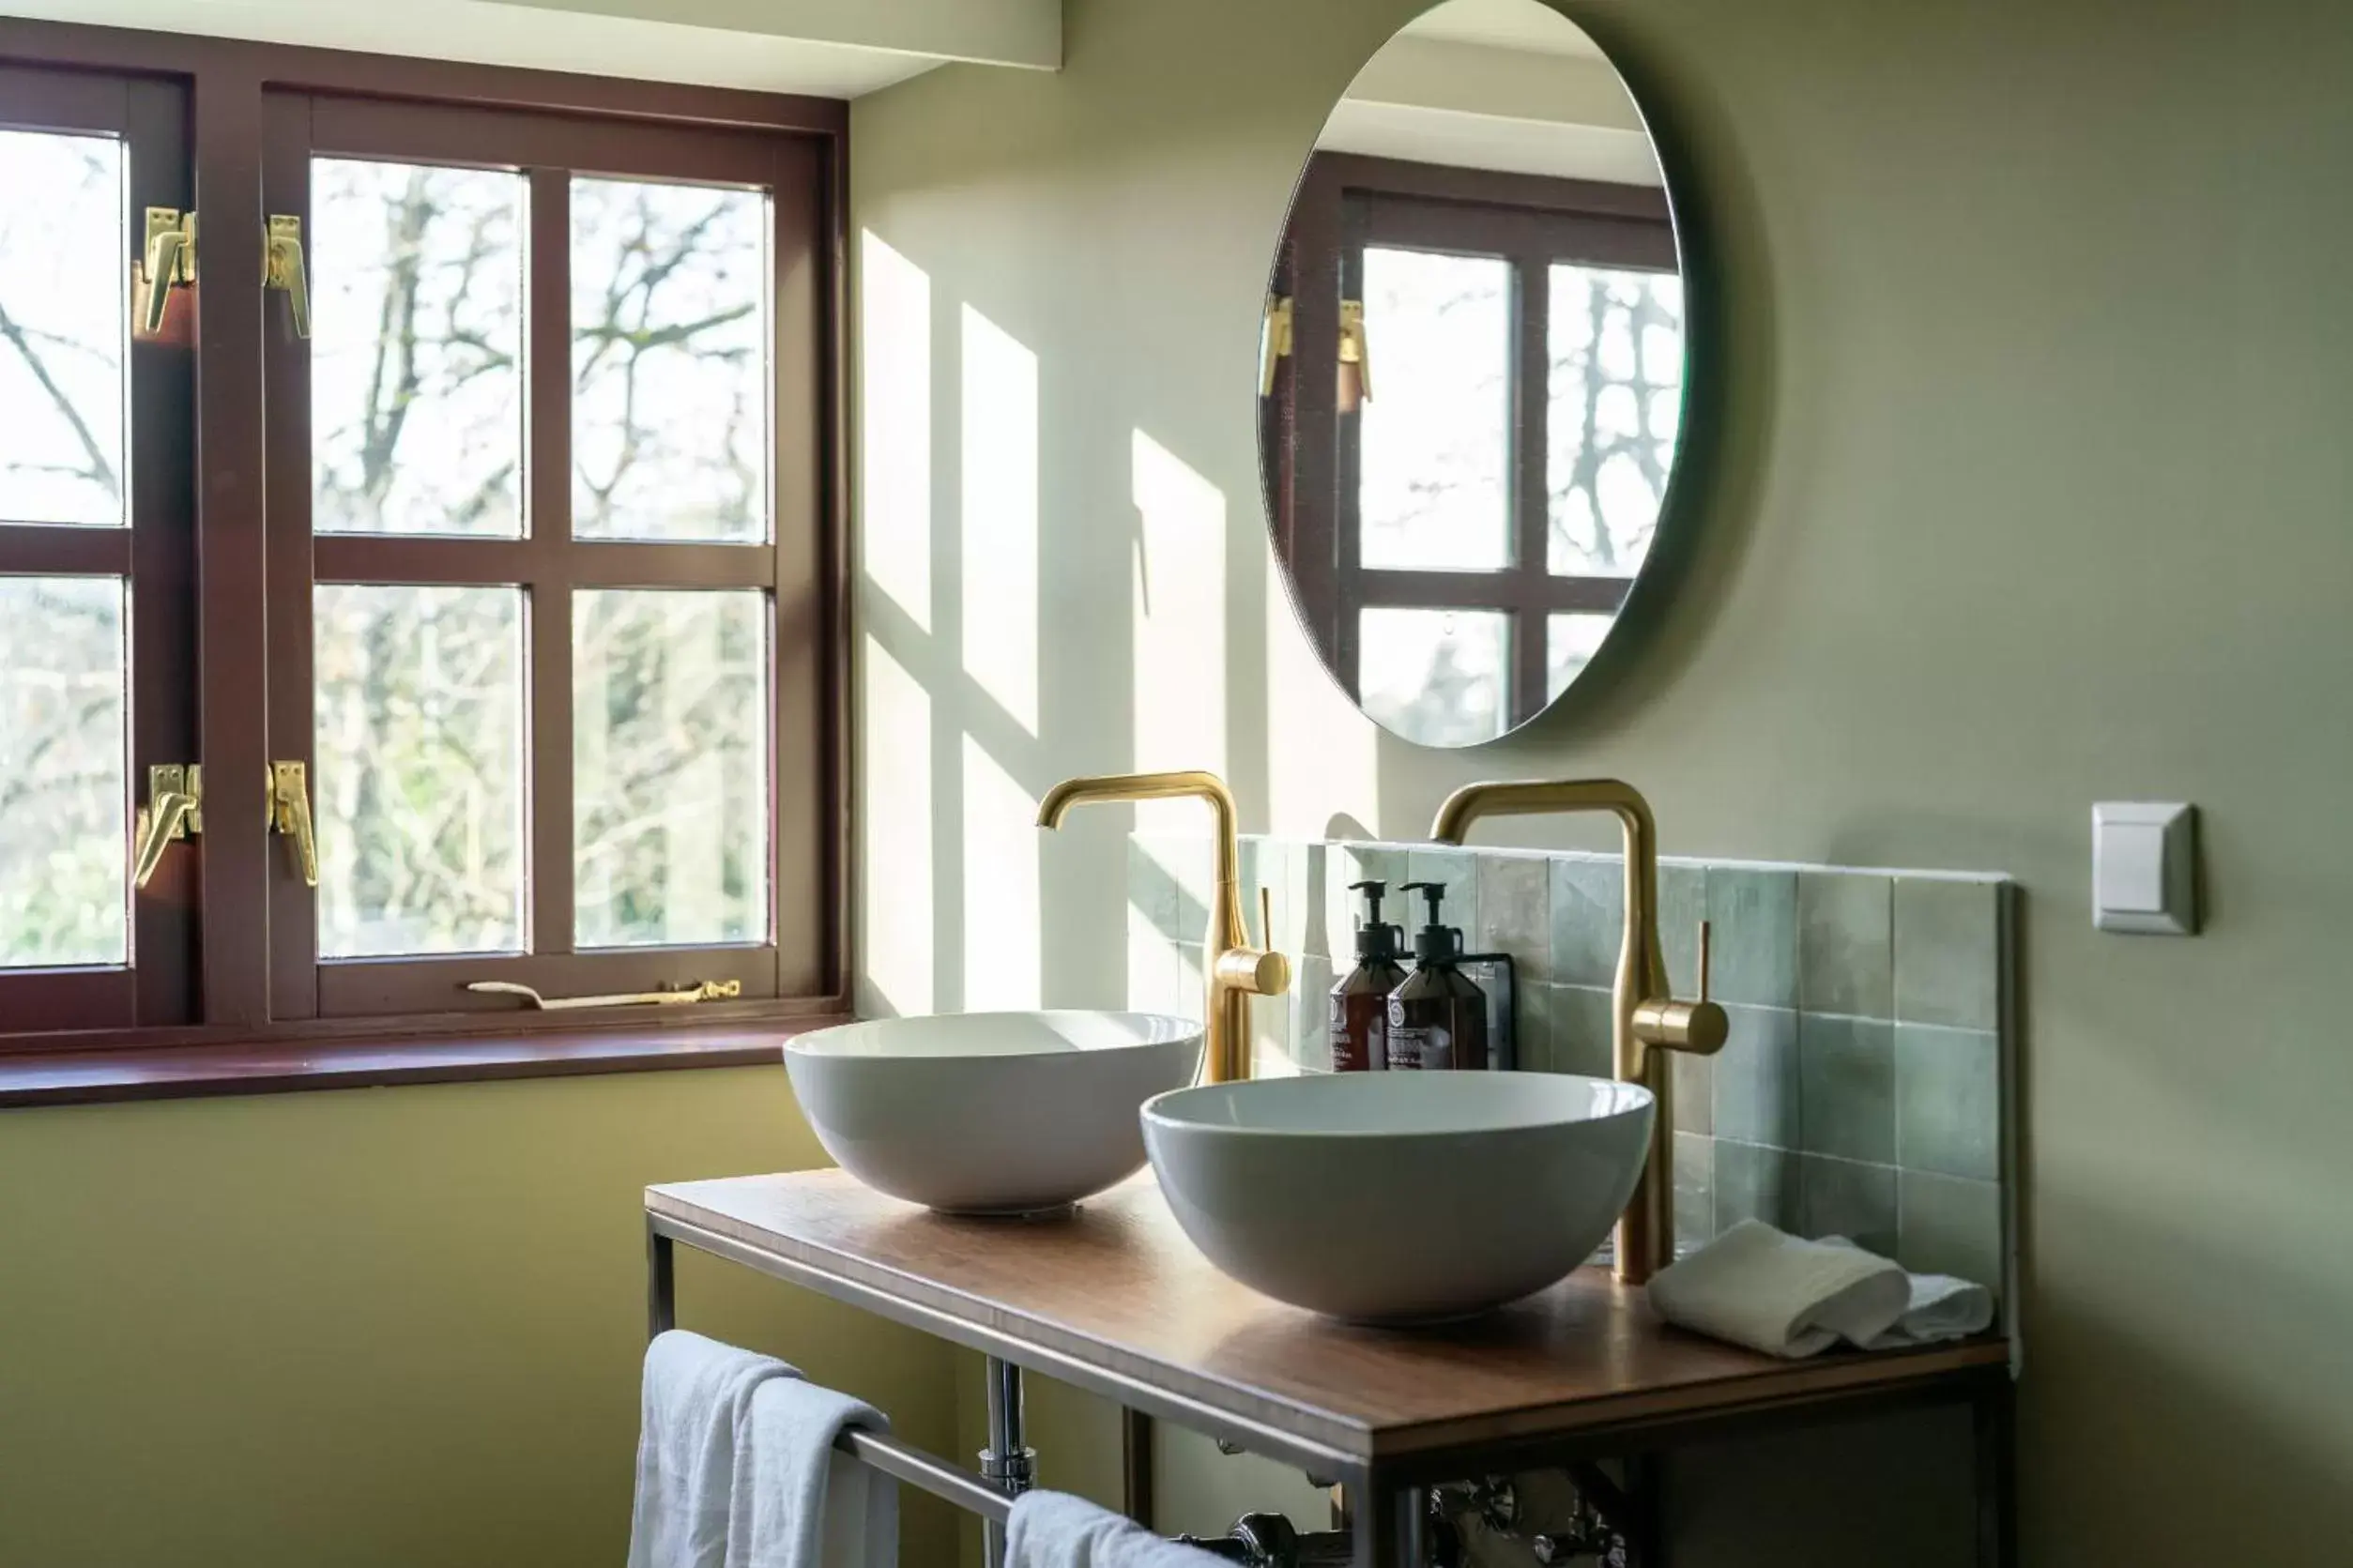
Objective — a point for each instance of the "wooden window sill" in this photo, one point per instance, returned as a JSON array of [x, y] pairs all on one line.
[[274, 1067]]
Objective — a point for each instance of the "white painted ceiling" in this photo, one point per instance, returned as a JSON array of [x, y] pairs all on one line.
[[828, 48], [1505, 84], [1519, 24]]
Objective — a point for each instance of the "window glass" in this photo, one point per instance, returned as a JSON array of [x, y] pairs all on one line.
[[416, 349], [419, 796], [1437, 675], [669, 336], [1435, 436], [670, 784], [1570, 641], [1616, 400], [64, 866], [64, 318]]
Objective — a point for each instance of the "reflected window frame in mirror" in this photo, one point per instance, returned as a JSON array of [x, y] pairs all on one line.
[[1313, 424]]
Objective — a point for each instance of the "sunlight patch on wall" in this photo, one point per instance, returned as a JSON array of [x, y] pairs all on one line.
[[1003, 909], [894, 419], [999, 457], [896, 808], [1179, 626], [1322, 756]]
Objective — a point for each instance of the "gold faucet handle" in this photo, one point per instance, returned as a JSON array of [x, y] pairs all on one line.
[[1697, 1027], [1255, 970]]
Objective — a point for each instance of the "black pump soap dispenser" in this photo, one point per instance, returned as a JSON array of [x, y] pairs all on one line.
[[1438, 1017], [1360, 1002]]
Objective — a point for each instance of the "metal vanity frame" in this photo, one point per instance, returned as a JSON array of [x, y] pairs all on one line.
[[1386, 1496]]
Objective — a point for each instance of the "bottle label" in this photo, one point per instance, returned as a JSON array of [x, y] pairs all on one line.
[[1428, 1048], [1357, 1046]]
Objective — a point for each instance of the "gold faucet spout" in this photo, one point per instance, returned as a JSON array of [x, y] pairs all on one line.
[[1237, 970], [1648, 1020]]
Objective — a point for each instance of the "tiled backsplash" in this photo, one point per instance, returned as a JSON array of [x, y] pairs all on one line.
[[1861, 1092]]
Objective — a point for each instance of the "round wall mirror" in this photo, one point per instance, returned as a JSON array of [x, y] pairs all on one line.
[[1472, 382]]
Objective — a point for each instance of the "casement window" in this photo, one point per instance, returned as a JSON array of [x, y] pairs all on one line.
[[443, 602], [1461, 538]]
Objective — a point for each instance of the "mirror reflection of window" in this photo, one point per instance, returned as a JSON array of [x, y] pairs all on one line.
[[1462, 538]]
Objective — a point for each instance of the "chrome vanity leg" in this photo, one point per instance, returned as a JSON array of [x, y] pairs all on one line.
[[660, 1284], [1006, 1463]]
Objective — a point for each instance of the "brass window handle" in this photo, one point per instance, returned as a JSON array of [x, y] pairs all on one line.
[[290, 814], [684, 996], [281, 251], [171, 258], [175, 810]]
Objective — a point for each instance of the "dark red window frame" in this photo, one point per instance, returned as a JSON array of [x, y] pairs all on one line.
[[1345, 203], [221, 547]]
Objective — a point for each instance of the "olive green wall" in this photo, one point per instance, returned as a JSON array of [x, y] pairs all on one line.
[[385, 1327], [2030, 487]]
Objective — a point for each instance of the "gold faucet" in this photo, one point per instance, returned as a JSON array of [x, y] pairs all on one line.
[[1646, 1020], [1237, 971]]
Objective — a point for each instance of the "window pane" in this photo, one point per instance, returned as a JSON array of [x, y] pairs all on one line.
[[669, 358], [1435, 435], [416, 349], [64, 897], [1616, 396], [419, 787], [670, 766], [1570, 641], [62, 321], [1434, 676]]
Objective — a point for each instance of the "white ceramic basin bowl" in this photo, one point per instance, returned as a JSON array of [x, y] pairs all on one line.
[[1400, 1197], [991, 1113]]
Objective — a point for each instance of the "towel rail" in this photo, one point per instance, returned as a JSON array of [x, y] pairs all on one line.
[[933, 1474]]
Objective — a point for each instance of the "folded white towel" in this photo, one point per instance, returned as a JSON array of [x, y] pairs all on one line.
[[1054, 1529], [736, 1467], [1758, 1286]]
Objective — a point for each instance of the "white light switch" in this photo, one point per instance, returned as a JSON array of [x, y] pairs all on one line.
[[2143, 867]]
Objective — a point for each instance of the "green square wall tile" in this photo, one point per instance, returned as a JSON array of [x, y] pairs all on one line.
[[1845, 1197], [1693, 1086], [1576, 1031], [1588, 919], [1951, 1227], [1152, 968], [1847, 1099], [1310, 1001], [1755, 1078], [1312, 916], [1682, 905], [1694, 1191], [1755, 1183], [1948, 1102], [1947, 952], [1845, 949], [1514, 913], [1754, 915], [1151, 890]]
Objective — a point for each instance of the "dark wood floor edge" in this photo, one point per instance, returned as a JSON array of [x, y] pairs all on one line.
[[185, 1073]]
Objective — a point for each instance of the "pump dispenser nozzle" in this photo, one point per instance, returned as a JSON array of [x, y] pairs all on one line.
[[1436, 942], [1375, 941]]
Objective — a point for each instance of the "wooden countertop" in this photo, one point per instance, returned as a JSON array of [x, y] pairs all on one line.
[[1117, 1299]]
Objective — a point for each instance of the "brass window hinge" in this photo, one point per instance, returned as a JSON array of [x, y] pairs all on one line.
[[681, 995], [168, 260], [1275, 344], [282, 253], [175, 810]]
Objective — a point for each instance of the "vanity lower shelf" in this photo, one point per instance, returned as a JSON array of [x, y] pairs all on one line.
[[1116, 1300]]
